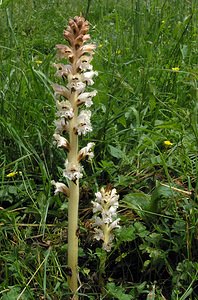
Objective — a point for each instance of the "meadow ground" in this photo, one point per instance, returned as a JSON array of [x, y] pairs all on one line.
[[145, 127]]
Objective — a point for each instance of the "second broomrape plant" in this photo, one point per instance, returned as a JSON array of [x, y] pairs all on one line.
[[73, 121]]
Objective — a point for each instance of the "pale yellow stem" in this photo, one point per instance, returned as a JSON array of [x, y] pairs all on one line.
[[72, 237], [73, 205]]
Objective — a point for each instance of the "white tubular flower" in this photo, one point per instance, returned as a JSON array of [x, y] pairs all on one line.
[[87, 77], [77, 86], [99, 235], [86, 98], [60, 188], [75, 83], [61, 141], [83, 63], [62, 70], [96, 207], [61, 90], [114, 224], [98, 197], [65, 109], [88, 48], [83, 122], [64, 51], [72, 171], [61, 125], [86, 152], [105, 216]]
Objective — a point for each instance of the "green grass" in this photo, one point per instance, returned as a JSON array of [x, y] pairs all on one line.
[[141, 103]]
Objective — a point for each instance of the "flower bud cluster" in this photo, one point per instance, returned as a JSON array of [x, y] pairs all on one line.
[[105, 216], [77, 75]]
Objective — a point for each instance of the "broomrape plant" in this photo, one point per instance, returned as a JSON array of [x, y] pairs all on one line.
[[104, 221], [105, 216], [72, 121]]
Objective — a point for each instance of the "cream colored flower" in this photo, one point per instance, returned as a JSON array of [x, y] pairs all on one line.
[[83, 63], [86, 98], [61, 141], [72, 171], [86, 152], [64, 52], [61, 90], [60, 188], [61, 125], [83, 122], [62, 70], [64, 109]]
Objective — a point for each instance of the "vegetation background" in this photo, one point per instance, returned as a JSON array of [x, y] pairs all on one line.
[[145, 120]]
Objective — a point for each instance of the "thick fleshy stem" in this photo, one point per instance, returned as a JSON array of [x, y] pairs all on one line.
[[73, 205], [102, 266]]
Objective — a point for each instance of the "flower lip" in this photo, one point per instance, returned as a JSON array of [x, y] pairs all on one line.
[[76, 86], [87, 77], [83, 63]]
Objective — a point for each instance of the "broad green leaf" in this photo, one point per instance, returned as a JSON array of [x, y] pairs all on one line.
[[139, 202], [126, 234], [115, 152], [117, 291]]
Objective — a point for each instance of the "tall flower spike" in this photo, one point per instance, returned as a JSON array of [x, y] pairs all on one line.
[[73, 121], [105, 216]]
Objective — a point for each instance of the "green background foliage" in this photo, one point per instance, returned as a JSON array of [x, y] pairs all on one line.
[[147, 93]]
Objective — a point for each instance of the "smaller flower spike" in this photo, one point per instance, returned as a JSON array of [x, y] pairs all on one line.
[[105, 216]]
